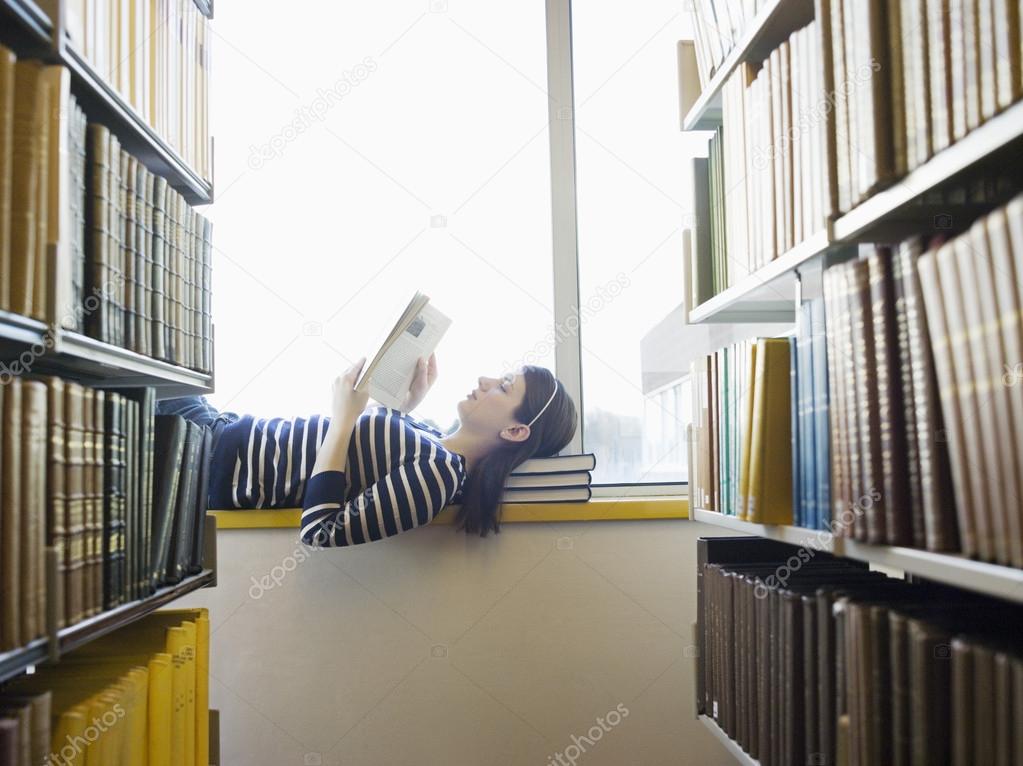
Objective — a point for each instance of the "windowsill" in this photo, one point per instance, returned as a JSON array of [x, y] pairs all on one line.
[[596, 509]]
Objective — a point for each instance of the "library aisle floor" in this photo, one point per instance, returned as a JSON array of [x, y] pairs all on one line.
[[438, 648]]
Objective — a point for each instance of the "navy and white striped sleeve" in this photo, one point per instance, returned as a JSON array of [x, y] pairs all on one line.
[[407, 497]]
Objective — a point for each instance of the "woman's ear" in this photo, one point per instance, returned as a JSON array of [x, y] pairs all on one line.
[[516, 433]]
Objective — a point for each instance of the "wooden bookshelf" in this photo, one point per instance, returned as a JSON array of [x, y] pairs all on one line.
[[93, 362], [30, 20], [766, 295], [816, 539], [884, 215], [740, 755], [949, 568], [18, 660], [772, 25], [102, 103]]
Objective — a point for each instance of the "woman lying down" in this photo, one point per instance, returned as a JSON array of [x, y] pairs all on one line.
[[365, 474]]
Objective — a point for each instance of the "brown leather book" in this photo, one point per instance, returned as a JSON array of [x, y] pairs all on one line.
[[99, 489], [7, 62], [982, 712], [144, 240], [868, 429], [32, 586], [10, 516], [930, 684], [89, 494], [33, 712], [834, 308], [56, 486], [893, 463], [75, 319], [937, 492], [952, 412], [985, 333], [74, 522], [114, 490], [99, 219], [904, 369], [132, 274], [1002, 707], [898, 652], [962, 702], [30, 101], [1003, 333], [160, 278], [955, 272], [938, 70], [854, 523], [116, 287], [874, 152], [10, 749]]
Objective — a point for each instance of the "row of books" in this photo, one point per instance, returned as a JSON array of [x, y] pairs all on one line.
[[117, 492], [768, 165], [156, 55], [911, 78], [90, 239], [895, 410], [830, 663], [556, 479], [741, 462], [139, 695], [717, 27], [844, 107]]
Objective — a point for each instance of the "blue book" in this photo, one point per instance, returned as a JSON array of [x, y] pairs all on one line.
[[796, 407], [805, 419], [821, 411]]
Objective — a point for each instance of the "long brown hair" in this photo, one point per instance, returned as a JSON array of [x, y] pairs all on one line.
[[484, 486]]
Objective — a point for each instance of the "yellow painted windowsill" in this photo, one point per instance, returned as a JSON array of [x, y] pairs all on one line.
[[596, 509]]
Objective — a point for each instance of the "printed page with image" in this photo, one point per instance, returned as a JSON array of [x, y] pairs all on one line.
[[416, 334]]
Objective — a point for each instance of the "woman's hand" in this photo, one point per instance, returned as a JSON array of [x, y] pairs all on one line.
[[426, 375], [349, 403]]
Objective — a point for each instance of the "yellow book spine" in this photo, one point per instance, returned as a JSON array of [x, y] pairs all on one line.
[[160, 709], [139, 713], [775, 457], [747, 435], [69, 736], [189, 669], [202, 691], [177, 642]]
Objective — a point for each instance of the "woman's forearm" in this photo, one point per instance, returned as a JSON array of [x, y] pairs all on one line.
[[333, 453]]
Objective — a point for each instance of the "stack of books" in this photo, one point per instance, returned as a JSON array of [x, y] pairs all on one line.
[[140, 695], [117, 491], [558, 479]]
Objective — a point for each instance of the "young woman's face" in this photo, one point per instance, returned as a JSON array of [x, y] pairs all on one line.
[[492, 404]]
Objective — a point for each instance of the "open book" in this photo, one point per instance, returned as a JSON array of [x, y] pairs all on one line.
[[416, 334]]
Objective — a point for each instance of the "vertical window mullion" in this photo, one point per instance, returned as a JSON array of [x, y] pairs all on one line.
[[560, 105]]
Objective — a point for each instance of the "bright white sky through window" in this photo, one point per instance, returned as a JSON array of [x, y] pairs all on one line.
[[432, 173]]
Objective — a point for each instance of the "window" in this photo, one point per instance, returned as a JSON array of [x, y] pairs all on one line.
[[395, 147], [631, 198], [351, 172]]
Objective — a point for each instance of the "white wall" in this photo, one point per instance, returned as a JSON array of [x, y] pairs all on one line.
[[437, 648]]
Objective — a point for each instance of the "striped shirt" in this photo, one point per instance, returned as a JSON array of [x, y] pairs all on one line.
[[397, 475]]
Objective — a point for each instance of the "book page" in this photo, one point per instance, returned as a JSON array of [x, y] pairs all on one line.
[[390, 380]]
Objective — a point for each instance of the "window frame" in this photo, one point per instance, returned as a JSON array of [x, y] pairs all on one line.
[[565, 239]]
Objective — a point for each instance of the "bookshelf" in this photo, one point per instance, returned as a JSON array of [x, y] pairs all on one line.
[[17, 661], [33, 34], [949, 568], [769, 27], [768, 294], [87, 523], [740, 755], [91, 361]]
